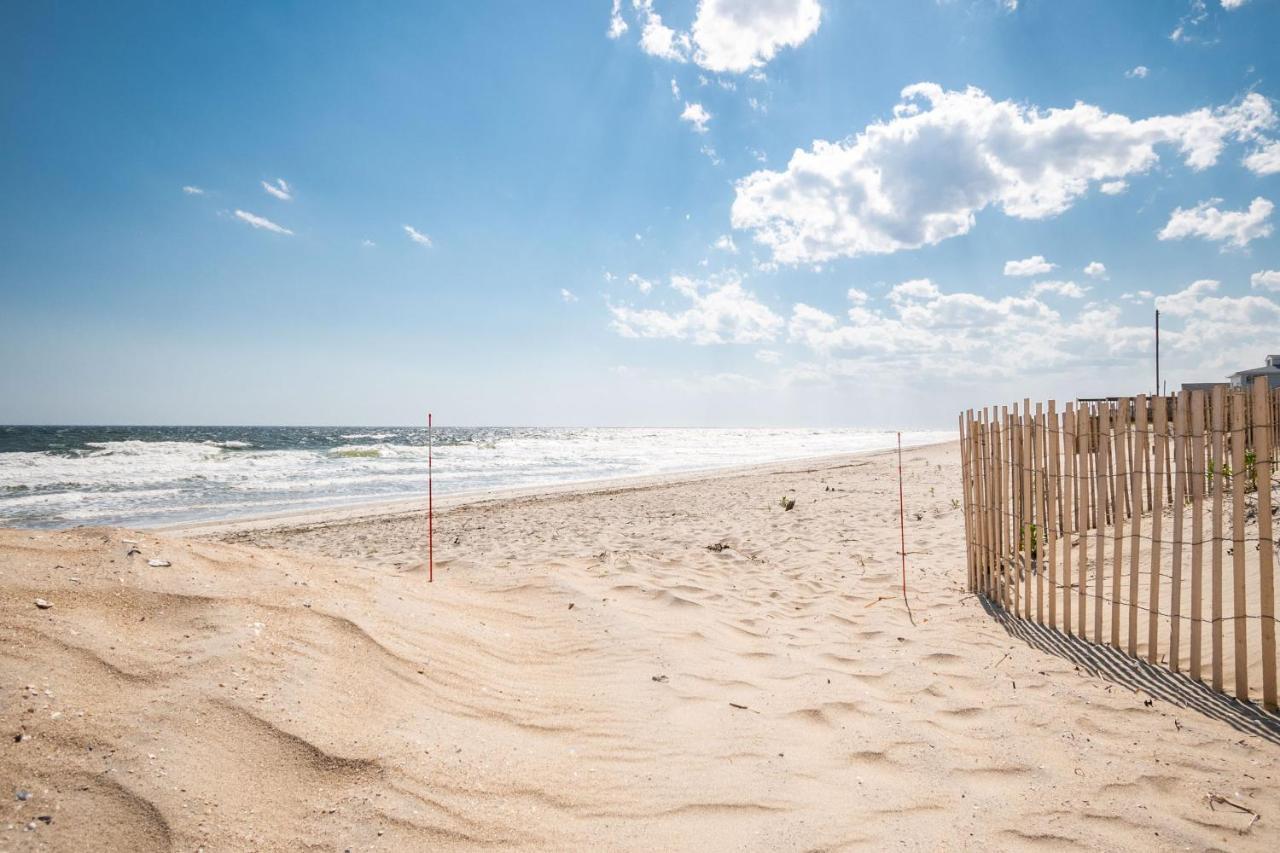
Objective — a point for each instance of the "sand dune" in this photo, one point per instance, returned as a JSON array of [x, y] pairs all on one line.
[[646, 667]]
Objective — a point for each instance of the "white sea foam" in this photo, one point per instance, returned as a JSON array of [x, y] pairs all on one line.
[[138, 482]]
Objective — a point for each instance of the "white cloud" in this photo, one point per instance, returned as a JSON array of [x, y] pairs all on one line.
[[1139, 72], [1216, 327], [768, 356], [191, 190], [567, 295], [741, 35], [1069, 289], [1265, 159], [675, 89], [922, 176], [280, 189], [656, 38], [712, 155], [261, 222], [1233, 227], [641, 284], [1034, 265], [1113, 187], [1266, 280], [1096, 269], [725, 244], [1233, 4], [368, 244], [734, 36], [696, 115], [965, 336], [617, 26], [720, 311], [1195, 16], [418, 237]]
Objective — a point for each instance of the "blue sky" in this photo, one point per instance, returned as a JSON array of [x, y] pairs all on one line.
[[868, 170]]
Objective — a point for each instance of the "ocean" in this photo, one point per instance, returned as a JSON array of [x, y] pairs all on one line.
[[53, 476]]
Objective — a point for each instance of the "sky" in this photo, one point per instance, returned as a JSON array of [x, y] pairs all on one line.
[[646, 212]]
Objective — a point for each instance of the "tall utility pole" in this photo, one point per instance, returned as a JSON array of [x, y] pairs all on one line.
[[1157, 352]]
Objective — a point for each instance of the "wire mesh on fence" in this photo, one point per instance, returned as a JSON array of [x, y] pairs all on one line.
[[1129, 521]]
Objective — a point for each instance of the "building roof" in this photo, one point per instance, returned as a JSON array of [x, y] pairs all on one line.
[[1257, 371], [1271, 368]]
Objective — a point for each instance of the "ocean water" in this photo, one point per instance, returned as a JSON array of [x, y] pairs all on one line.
[[140, 476]]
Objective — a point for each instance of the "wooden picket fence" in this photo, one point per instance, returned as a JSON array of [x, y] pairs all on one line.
[[1140, 522]]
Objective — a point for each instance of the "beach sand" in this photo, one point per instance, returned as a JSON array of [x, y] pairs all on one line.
[[656, 666]]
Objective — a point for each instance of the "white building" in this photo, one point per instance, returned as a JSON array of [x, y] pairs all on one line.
[[1244, 378]]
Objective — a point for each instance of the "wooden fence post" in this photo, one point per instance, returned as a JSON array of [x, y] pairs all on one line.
[[1239, 621], [1137, 463], [1160, 416], [1198, 473], [1218, 422], [1262, 446], [1068, 506], [1040, 476], [1119, 440], [1083, 472], [1100, 515], [1179, 510], [1051, 520], [1028, 506]]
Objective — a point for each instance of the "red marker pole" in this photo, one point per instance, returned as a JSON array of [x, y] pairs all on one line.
[[902, 524], [431, 521]]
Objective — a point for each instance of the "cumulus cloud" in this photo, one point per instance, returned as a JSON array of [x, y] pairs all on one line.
[[1264, 160], [741, 35], [1233, 4], [418, 237], [641, 284], [720, 311], [1069, 289], [617, 26], [280, 189], [1266, 280], [262, 222], [1096, 269], [1113, 187], [1219, 324], [1235, 228], [368, 244], [725, 244], [656, 38], [1137, 72], [922, 176], [192, 190], [697, 116], [966, 336], [567, 295], [734, 36], [1034, 265]]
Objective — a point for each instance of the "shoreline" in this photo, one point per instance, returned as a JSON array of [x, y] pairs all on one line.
[[626, 664], [391, 507]]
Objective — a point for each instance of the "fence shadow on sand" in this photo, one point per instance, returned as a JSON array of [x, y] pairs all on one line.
[[1157, 682]]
